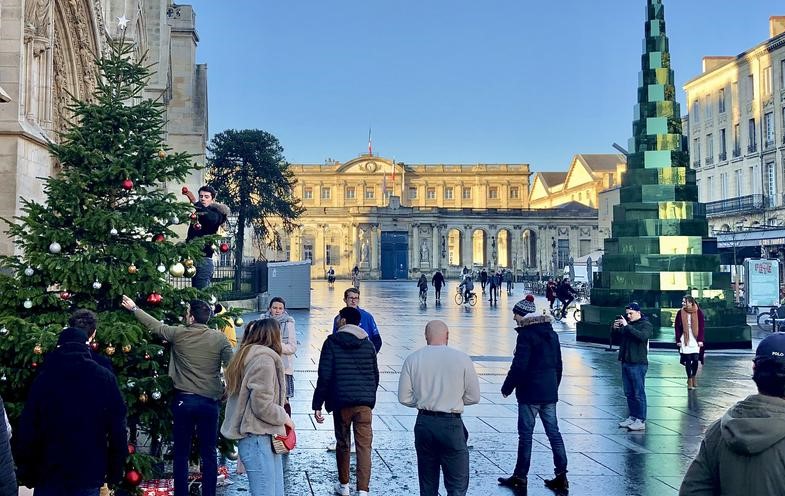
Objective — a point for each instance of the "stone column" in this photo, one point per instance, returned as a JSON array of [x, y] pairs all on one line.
[[354, 242], [414, 249], [467, 253], [376, 252], [318, 267], [436, 248], [295, 246]]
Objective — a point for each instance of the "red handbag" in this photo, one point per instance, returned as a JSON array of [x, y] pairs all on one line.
[[285, 444]]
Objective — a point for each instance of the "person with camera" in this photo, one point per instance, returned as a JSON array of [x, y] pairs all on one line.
[[742, 452], [634, 333]]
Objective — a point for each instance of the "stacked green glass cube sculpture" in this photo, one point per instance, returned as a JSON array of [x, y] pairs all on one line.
[[660, 249]]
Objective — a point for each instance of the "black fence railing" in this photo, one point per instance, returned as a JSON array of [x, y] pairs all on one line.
[[251, 282], [749, 203]]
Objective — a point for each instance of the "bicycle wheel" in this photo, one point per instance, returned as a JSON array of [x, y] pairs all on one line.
[[458, 299], [472, 299], [577, 315], [765, 322]]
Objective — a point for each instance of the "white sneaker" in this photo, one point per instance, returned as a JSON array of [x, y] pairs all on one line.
[[342, 489], [362, 493], [626, 422], [331, 447], [638, 425]]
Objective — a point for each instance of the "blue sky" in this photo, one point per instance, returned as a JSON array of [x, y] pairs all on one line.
[[496, 81]]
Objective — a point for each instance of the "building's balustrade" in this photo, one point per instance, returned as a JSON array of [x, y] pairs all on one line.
[[741, 204]]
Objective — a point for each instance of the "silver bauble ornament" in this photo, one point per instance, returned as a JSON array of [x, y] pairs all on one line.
[[174, 220], [28, 304], [156, 395], [4, 331], [55, 247], [4, 378], [29, 271], [177, 269], [162, 268], [213, 300], [113, 232], [97, 285], [130, 384]]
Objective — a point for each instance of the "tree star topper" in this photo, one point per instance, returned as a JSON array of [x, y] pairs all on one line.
[[122, 22]]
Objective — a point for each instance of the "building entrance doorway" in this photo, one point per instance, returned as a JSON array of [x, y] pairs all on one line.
[[395, 255]]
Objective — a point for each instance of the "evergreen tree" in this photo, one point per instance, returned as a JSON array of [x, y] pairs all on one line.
[[105, 230]]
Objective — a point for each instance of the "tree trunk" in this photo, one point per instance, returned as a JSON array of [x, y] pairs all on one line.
[[238, 251]]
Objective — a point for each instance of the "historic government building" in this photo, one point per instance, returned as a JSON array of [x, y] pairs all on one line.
[[48, 50], [394, 220]]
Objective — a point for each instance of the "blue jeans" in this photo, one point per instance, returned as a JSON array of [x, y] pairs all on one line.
[[204, 273], [527, 415], [633, 379], [192, 411], [56, 490], [263, 466]]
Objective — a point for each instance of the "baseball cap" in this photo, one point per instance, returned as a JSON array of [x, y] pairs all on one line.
[[633, 306], [772, 346]]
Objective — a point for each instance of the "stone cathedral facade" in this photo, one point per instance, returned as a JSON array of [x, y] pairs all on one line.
[[47, 52]]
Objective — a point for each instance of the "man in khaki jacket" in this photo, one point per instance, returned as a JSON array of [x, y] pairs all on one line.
[[198, 353]]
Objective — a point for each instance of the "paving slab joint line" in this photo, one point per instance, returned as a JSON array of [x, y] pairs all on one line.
[[308, 480]]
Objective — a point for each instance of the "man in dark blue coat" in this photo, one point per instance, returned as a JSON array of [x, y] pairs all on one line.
[[8, 485], [535, 375], [347, 383], [74, 407]]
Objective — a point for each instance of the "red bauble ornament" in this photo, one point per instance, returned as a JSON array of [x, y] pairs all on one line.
[[65, 295], [133, 478], [224, 247], [34, 365], [131, 449], [193, 215], [197, 226], [185, 189], [94, 345], [159, 238], [147, 356], [128, 185], [154, 298]]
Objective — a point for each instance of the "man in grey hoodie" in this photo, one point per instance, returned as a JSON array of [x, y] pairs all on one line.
[[742, 452]]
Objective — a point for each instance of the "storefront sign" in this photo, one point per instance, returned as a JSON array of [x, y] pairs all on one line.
[[762, 282]]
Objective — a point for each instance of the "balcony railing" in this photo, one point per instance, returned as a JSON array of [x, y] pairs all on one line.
[[769, 145], [736, 152], [741, 204], [696, 163], [723, 156], [709, 160], [752, 148]]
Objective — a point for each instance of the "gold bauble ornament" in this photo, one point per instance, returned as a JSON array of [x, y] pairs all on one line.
[[110, 350], [143, 398], [177, 270], [132, 269], [190, 272], [161, 153], [238, 321], [37, 349], [127, 348], [188, 262]]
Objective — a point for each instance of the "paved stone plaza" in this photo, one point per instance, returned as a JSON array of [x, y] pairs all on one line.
[[603, 459]]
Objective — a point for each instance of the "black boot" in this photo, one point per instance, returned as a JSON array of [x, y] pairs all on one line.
[[513, 481], [558, 483]]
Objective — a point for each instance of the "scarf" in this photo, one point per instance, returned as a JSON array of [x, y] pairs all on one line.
[[687, 317]]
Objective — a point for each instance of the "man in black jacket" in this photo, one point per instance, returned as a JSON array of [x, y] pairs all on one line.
[[209, 217], [635, 330], [348, 379], [535, 376], [74, 404], [88, 322]]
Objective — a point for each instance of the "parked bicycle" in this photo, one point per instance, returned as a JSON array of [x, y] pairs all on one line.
[[772, 320], [460, 298]]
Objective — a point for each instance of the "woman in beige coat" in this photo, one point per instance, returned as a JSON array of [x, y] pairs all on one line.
[[256, 385]]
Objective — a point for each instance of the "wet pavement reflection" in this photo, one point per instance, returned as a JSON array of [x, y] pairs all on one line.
[[603, 459]]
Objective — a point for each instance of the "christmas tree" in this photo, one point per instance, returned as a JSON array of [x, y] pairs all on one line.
[[105, 230], [660, 248]]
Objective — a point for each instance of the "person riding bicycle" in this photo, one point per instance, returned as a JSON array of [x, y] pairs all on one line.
[[566, 294], [331, 275], [422, 283], [466, 287]]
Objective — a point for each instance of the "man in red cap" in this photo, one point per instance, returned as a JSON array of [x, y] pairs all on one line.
[[535, 375]]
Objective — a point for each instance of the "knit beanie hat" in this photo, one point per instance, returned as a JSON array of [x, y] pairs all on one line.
[[525, 306]]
